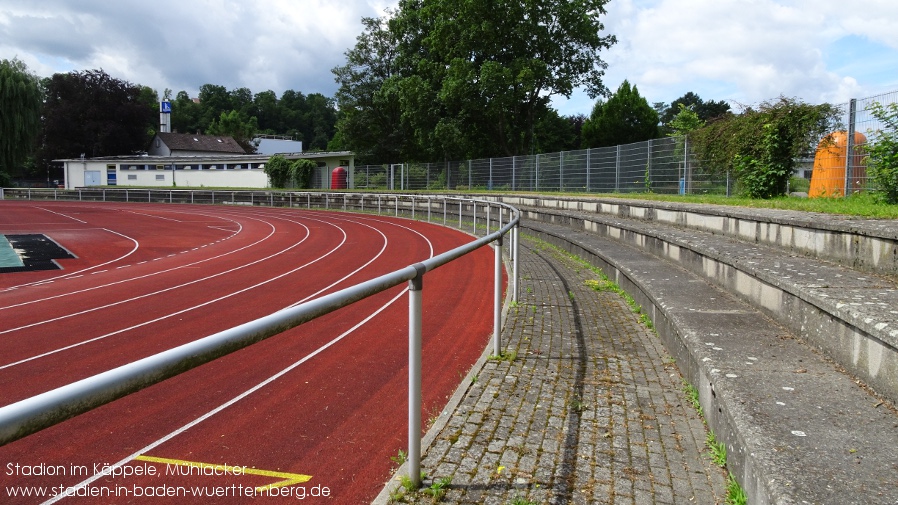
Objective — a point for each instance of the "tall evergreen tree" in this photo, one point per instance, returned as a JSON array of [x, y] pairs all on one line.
[[625, 118]]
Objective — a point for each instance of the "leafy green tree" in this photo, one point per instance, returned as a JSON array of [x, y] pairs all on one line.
[[318, 122], [484, 72], [185, 114], [685, 121], [370, 117], [882, 152], [238, 126], [94, 114], [451, 79], [704, 110], [20, 107], [625, 118], [278, 171], [214, 100], [266, 109], [760, 145]]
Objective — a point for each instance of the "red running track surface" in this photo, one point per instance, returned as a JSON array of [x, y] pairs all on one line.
[[317, 409]]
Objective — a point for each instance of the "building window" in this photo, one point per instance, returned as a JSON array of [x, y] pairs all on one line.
[[132, 177], [160, 177]]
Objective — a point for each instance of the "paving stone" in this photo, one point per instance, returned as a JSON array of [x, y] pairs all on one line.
[[586, 413]]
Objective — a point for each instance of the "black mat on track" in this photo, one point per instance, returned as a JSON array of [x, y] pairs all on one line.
[[39, 253]]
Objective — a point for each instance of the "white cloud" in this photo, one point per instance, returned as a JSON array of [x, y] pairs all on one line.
[[745, 51]]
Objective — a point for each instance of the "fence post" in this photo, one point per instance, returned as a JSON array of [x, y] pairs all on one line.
[[513, 160], [588, 188], [489, 185], [849, 144], [648, 167], [617, 170], [415, 286], [537, 173], [497, 302], [561, 171]]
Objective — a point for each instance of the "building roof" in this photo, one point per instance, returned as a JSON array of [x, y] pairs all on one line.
[[225, 157], [196, 142]]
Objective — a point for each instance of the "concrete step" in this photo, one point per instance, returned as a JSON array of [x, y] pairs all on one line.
[[849, 314], [798, 428]]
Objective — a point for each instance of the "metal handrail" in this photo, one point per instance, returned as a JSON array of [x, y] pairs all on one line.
[[36, 413]]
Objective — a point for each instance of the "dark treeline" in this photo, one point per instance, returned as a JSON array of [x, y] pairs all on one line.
[[309, 118], [93, 114]]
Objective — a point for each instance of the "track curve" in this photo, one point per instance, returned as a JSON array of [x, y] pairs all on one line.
[[326, 399]]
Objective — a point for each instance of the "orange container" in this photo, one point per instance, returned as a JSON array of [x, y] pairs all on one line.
[[828, 177]]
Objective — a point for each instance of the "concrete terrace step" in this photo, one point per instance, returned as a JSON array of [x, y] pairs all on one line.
[[850, 314], [798, 429]]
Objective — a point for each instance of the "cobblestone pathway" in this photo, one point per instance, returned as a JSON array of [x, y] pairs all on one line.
[[586, 407]]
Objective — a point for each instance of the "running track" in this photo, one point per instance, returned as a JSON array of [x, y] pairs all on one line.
[[323, 404]]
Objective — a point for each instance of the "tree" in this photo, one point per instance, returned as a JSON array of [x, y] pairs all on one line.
[[185, 114], [369, 120], [705, 111], [450, 79], [625, 118], [684, 122], [484, 72], [20, 103], [94, 114], [238, 126], [760, 145], [882, 152], [214, 100]]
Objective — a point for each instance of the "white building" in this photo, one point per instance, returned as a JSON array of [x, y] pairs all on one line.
[[206, 170]]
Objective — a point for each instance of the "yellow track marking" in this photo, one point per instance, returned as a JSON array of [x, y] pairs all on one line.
[[288, 478]]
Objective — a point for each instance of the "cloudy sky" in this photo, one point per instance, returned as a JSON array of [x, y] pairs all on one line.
[[742, 51]]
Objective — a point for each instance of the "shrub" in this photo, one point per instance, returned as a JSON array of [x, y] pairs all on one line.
[[278, 171], [882, 152]]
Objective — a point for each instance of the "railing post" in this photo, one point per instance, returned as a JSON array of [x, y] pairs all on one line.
[[514, 245], [488, 207], [475, 215], [497, 302], [415, 286]]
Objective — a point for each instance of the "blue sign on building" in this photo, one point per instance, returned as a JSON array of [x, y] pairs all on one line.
[[165, 107]]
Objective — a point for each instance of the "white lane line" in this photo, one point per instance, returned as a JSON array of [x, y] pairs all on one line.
[[60, 214], [150, 274], [233, 233], [129, 253], [72, 490], [147, 295], [188, 309]]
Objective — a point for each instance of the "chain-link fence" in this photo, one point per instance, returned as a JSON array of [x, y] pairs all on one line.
[[664, 165], [661, 165], [839, 167]]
